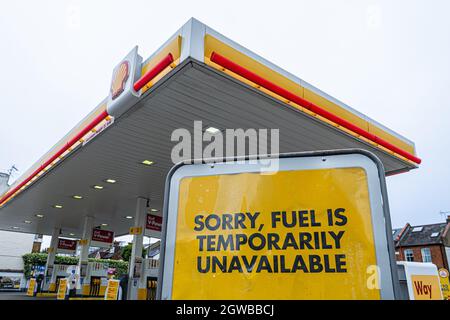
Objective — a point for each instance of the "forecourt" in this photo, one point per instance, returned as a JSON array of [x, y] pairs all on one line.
[[109, 171]]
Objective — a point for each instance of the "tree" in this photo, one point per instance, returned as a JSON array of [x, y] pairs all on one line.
[[126, 252]]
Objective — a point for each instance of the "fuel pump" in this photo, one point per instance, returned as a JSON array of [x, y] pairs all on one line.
[[96, 279], [150, 275], [60, 271], [145, 278]]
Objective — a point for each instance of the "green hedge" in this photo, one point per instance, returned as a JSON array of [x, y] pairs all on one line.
[[40, 259]]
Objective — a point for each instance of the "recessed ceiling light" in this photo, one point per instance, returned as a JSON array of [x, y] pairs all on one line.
[[71, 234], [27, 221], [110, 180], [154, 210], [147, 162], [57, 206], [98, 187], [15, 228], [212, 130], [128, 217], [104, 224], [77, 197], [39, 215]]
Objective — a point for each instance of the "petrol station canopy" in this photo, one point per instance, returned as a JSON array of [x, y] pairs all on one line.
[[198, 74]]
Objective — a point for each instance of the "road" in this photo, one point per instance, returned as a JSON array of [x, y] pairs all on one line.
[[11, 295]]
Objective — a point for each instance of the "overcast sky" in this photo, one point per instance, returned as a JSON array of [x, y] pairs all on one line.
[[388, 59]]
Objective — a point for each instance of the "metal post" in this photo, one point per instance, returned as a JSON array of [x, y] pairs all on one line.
[[49, 266], [84, 245], [136, 251]]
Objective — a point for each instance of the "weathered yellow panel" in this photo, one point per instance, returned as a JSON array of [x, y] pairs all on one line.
[[284, 270]]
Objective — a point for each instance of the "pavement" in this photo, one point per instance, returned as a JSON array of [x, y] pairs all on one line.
[[15, 295]]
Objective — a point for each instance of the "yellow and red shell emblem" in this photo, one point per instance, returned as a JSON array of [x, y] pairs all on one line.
[[120, 79]]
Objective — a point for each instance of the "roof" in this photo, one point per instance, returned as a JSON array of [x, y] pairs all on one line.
[[396, 233], [153, 249], [197, 74], [423, 235]]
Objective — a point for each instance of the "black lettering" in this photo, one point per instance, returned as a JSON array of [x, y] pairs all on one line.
[[235, 264], [272, 241], [342, 219], [337, 238], [249, 265], [264, 265], [293, 220], [239, 221], [289, 241], [326, 263], [200, 243], [275, 218], [341, 263], [226, 221], [304, 240], [313, 220], [199, 223], [303, 218], [208, 224], [315, 265], [252, 218], [199, 265], [253, 245], [215, 262], [325, 245], [299, 264], [241, 239], [225, 243]]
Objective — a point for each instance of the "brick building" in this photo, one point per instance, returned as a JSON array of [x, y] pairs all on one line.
[[424, 243]]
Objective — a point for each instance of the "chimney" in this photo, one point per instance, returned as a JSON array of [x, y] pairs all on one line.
[[448, 219]]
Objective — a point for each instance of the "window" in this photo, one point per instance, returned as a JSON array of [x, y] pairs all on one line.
[[426, 254], [409, 255]]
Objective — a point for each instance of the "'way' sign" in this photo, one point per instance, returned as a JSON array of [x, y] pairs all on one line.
[[426, 287], [314, 229]]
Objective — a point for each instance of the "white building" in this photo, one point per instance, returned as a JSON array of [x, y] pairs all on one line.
[[13, 245]]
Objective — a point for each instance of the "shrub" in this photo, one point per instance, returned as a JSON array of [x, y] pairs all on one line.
[[40, 259]]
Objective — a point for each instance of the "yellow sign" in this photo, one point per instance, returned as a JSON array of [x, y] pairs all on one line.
[[83, 242], [62, 289], [112, 291], [31, 287], [445, 285], [136, 230], [426, 287], [290, 235]]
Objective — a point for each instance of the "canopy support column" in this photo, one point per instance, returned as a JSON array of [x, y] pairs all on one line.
[[49, 266], [84, 244], [134, 282]]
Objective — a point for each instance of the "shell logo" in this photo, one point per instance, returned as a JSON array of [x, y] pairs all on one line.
[[119, 79]]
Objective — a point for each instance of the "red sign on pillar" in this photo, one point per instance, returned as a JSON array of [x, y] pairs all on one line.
[[66, 246], [153, 226], [102, 238]]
